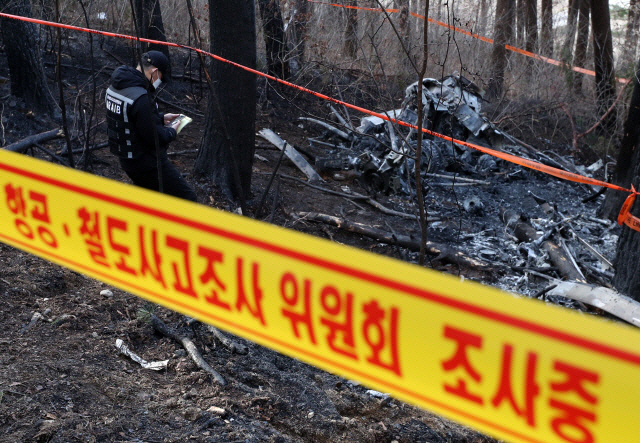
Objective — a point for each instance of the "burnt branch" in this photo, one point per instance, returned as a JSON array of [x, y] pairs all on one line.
[[32, 140], [440, 251], [188, 345]]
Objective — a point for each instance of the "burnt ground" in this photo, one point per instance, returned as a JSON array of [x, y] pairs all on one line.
[[62, 379]]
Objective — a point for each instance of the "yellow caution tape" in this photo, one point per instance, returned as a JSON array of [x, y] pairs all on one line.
[[511, 367]]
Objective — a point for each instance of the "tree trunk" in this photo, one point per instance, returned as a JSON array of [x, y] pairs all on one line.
[[404, 29], [300, 27], [22, 47], [228, 144], [502, 35], [521, 23], [351, 30], [274, 40], [484, 15], [627, 163], [603, 61], [627, 275], [531, 44], [149, 21], [546, 31], [569, 38], [582, 43], [403, 22], [630, 40]]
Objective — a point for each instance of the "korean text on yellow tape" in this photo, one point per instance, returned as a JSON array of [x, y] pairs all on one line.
[[511, 367]]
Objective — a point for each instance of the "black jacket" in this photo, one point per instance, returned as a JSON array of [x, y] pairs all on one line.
[[146, 118]]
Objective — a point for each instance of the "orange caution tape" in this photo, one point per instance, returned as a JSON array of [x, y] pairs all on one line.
[[565, 175], [625, 216], [453, 28], [476, 36]]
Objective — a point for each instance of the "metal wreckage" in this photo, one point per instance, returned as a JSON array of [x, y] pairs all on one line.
[[384, 160]]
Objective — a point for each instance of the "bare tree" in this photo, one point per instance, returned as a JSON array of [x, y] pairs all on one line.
[[631, 34], [403, 23], [351, 29], [546, 31], [520, 23], [22, 46], [603, 60], [570, 36], [531, 44], [228, 144], [582, 43], [273, 31], [300, 28], [502, 34], [150, 25], [484, 15]]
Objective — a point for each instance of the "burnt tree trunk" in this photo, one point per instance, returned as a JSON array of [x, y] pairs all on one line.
[[630, 39], [546, 28], [24, 57], [149, 20], [28, 142], [627, 276], [603, 62], [627, 262], [274, 40], [227, 147], [502, 35], [531, 44], [351, 30], [627, 163], [300, 28], [582, 43], [570, 36], [520, 36]]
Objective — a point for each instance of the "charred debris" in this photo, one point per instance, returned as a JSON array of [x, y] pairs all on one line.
[[382, 153], [523, 231]]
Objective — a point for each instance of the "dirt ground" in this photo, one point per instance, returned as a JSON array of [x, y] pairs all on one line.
[[63, 380]]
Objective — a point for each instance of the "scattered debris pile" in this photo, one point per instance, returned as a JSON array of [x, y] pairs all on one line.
[[382, 153], [522, 230]]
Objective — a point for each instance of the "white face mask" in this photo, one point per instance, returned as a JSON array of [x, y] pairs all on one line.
[[157, 82]]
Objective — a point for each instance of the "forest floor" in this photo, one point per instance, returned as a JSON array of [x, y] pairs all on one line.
[[64, 381]]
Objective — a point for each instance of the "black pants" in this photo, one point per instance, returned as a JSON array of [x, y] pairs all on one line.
[[172, 181]]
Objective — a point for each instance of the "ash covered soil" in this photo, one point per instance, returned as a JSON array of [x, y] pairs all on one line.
[[63, 380]]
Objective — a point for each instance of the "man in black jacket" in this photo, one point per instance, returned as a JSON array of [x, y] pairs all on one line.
[[133, 121]]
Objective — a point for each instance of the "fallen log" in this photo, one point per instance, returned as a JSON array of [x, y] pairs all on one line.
[[441, 252], [606, 299], [26, 143], [527, 233]]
